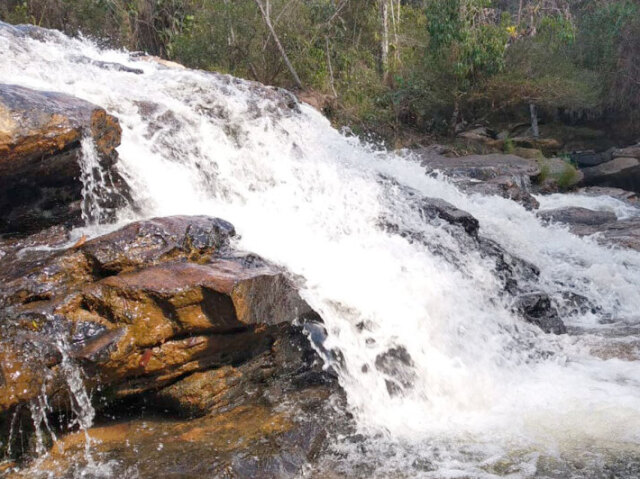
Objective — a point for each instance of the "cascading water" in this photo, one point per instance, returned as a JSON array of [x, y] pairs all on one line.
[[484, 394]]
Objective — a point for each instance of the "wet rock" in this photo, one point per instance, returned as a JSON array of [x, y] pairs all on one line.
[[507, 187], [263, 439], [621, 233], [140, 308], [290, 364], [40, 151], [118, 67], [618, 193], [603, 224], [508, 176], [570, 303], [438, 208], [483, 167], [537, 309], [398, 367], [516, 274], [519, 278], [578, 216], [31, 273], [621, 172]]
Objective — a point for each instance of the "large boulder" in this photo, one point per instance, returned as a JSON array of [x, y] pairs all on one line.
[[518, 277], [142, 309], [41, 160], [621, 172], [496, 174], [482, 167], [617, 193], [628, 152], [603, 224]]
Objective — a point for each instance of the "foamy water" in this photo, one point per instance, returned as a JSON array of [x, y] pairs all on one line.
[[485, 387]]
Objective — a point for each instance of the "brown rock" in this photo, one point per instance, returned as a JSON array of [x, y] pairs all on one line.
[[139, 308], [40, 134]]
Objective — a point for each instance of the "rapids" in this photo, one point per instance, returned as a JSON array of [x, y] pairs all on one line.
[[490, 396]]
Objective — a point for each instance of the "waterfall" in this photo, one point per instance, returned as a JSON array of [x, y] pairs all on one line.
[[480, 384]]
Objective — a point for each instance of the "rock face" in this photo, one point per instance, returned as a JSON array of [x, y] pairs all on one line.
[[578, 216], [40, 148], [605, 225], [519, 278], [618, 193], [508, 176], [621, 172], [142, 310], [628, 152]]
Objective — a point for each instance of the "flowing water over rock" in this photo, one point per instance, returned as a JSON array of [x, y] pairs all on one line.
[[442, 375]]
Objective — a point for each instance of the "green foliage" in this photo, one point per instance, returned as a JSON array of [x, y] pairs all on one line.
[[508, 146], [449, 60], [567, 177]]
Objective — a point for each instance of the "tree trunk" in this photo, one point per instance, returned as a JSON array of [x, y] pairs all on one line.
[[519, 13], [534, 120], [453, 122], [267, 21], [384, 42], [331, 83], [232, 34]]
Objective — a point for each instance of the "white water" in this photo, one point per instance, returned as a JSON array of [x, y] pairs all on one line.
[[486, 387]]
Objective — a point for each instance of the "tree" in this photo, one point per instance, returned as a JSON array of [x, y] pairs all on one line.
[[266, 15]]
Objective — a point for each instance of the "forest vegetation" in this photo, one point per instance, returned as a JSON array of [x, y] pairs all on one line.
[[398, 69]]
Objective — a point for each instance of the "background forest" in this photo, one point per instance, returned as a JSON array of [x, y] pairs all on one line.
[[399, 69]]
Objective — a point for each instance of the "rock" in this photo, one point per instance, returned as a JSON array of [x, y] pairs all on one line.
[[621, 172], [504, 186], [536, 308], [398, 368], [30, 274], [617, 193], [436, 207], [578, 216], [107, 65], [140, 308], [482, 167], [585, 159], [320, 101], [548, 146], [481, 136], [529, 153], [604, 224], [621, 233], [290, 363], [40, 154], [628, 152], [503, 175], [518, 277], [275, 438]]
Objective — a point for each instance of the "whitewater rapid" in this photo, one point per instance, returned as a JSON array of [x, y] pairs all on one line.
[[485, 386]]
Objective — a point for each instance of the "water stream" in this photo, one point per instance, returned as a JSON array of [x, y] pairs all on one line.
[[489, 395]]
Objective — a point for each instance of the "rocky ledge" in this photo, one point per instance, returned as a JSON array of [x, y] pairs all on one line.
[[162, 311], [509, 176], [41, 137]]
